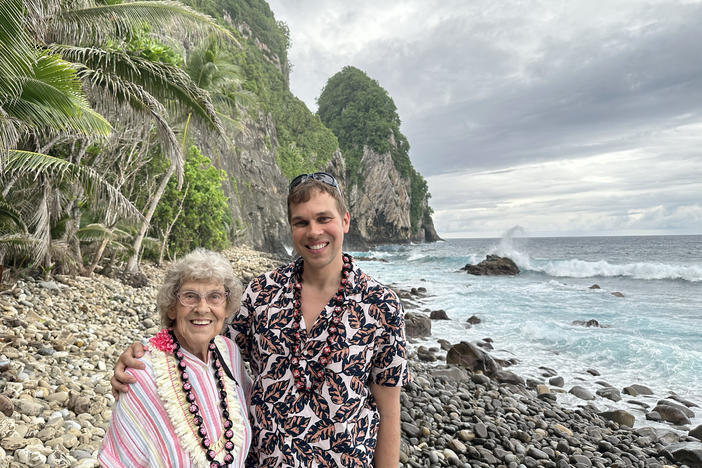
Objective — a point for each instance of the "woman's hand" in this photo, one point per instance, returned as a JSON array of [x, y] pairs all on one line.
[[121, 380]]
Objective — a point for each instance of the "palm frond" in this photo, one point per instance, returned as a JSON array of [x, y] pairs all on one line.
[[103, 196], [18, 244], [166, 83], [98, 231], [127, 92], [10, 214], [94, 23], [16, 53], [51, 99]]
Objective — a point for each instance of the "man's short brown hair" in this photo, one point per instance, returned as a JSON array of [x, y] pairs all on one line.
[[303, 192]]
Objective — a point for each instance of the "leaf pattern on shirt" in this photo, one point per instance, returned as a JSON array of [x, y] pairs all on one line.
[[345, 412], [319, 406], [323, 456], [296, 425], [321, 430], [303, 452], [337, 389], [275, 391], [279, 367]]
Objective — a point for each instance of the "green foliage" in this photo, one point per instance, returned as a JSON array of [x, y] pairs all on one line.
[[361, 113], [305, 144], [205, 220], [257, 15], [143, 44]]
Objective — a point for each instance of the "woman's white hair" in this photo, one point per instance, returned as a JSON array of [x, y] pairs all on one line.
[[199, 265]]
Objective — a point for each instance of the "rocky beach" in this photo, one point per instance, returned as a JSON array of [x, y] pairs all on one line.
[[59, 339]]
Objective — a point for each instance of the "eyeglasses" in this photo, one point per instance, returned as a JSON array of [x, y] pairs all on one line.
[[193, 298], [324, 177]]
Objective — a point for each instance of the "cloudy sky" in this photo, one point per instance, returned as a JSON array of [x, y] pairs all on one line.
[[579, 117]]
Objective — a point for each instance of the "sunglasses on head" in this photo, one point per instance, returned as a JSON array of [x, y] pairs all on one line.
[[324, 177]]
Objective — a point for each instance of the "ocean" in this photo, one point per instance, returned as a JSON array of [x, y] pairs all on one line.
[[651, 336]]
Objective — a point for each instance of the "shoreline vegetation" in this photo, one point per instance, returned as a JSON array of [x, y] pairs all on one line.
[[59, 339]]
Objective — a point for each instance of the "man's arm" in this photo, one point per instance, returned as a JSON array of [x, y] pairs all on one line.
[[121, 380], [387, 448]]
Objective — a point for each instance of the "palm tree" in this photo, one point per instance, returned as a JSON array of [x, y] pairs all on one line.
[[40, 96], [154, 90], [37, 205], [35, 32]]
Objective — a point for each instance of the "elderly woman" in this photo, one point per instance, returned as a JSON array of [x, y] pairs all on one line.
[[189, 406]]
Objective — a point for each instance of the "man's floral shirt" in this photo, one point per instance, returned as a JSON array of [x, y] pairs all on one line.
[[337, 424]]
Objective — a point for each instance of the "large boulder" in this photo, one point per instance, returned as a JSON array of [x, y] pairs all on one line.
[[689, 454], [417, 325], [696, 432], [582, 392], [687, 411], [672, 414], [624, 418], [439, 315], [472, 358], [493, 265]]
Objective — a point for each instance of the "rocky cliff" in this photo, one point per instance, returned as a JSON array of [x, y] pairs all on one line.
[[380, 204], [256, 188], [278, 138]]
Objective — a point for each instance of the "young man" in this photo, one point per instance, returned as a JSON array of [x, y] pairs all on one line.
[[326, 346]]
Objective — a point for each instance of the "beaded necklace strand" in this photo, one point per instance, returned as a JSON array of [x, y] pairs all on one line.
[[334, 328], [205, 441]]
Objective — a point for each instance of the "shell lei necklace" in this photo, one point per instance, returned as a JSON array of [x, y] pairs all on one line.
[[316, 379]]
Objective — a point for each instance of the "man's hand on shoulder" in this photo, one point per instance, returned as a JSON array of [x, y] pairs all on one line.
[[121, 380]]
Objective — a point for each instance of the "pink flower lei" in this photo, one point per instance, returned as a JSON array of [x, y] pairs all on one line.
[[163, 341]]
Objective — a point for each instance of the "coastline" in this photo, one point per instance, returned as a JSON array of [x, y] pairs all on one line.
[[60, 338], [526, 420]]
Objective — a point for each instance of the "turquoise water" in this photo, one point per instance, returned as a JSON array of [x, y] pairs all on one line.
[[653, 334]]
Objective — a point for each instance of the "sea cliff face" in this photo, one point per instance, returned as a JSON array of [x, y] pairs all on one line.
[[380, 204], [256, 188]]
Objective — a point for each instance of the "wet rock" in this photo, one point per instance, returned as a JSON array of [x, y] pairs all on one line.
[[696, 432], [425, 354], [683, 401], [610, 393], [556, 381], [621, 417], [471, 357], [473, 320], [581, 392], [636, 390], [671, 414], [587, 323], [445, 344], [504, 376], [688, 453], [617, 294], [688, 412], [595, 286], [417, 325], [438, 315], [493, 265]]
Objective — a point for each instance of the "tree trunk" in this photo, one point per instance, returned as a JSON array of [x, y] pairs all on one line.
[[98, 256], [73, 223], [133, 263], [169, 228]]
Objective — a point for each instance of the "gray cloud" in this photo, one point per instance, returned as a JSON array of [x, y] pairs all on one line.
[[489, 91]]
